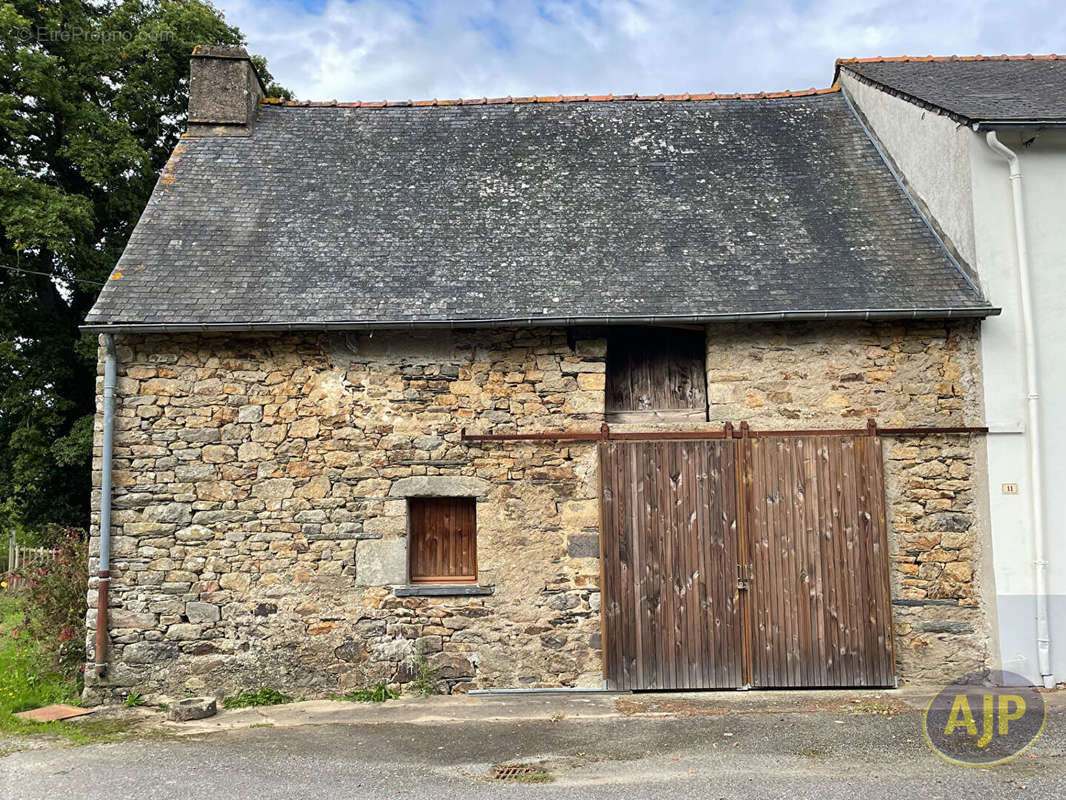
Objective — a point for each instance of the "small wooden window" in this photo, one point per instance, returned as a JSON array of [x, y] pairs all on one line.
[[656, 374], [443, 544]]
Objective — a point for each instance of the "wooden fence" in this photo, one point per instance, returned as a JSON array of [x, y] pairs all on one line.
[[19, 557]]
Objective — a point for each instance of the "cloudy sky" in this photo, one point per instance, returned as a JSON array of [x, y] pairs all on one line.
[[404, 49]]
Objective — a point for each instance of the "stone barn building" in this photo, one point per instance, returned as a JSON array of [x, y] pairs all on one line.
[[535, 392]]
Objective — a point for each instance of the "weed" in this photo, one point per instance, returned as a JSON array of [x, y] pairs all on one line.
[[134, 699], [263, 696], [262, 725], [164, 707], [424, 683], [378, 694], [557, 717]]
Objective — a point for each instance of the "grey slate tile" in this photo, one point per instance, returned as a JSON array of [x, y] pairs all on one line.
[[532, 211], [986, 90]]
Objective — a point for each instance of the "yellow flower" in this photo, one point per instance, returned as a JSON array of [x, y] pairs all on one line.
[[3, 584]]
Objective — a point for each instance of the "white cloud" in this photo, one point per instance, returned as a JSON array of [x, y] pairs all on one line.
[[375, 49]]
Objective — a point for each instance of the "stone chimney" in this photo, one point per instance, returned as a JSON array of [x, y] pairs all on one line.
[[224, 92]]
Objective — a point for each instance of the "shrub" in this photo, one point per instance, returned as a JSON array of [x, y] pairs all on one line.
[[263, 696], [52, 602]]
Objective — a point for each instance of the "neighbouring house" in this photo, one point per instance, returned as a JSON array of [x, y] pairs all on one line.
[[639, 392], [933, 119]]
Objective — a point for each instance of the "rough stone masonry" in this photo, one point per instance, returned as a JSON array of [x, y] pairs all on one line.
[[261, 489]]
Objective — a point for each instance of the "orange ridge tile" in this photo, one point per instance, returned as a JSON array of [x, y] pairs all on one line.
[[898, 59], [560, 98]]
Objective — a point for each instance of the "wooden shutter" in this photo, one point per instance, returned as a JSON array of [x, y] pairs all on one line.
[[443, 547], [656, 374]]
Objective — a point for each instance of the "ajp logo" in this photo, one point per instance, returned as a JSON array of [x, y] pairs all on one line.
[[984, 719]]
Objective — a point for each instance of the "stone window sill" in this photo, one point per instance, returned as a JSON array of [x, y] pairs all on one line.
[[443, 590]]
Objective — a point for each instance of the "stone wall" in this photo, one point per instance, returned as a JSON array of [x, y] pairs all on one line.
[[261, 489], [260, 511], [905, 375]]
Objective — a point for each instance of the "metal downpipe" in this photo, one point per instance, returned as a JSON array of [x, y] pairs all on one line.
[[104, 574], [1032, 412]]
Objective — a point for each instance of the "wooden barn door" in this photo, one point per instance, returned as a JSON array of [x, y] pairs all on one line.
[[670, 600], [820, 598], [745, 562]]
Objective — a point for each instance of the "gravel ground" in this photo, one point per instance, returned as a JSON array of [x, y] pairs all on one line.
[[795, 755]]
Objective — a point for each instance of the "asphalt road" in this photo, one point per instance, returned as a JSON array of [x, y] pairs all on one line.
[[790, 755]]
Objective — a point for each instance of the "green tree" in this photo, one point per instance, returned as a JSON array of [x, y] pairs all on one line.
[[92, 101]]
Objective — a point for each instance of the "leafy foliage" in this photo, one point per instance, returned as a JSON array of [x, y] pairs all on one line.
[[53, 604], [93, 96], [263, 696], [378, 694], [134, 700]]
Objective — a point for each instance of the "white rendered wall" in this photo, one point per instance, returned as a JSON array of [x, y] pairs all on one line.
[[1043, 165]]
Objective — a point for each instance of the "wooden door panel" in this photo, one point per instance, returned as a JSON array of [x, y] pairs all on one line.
[[669, 546], [820, 601]]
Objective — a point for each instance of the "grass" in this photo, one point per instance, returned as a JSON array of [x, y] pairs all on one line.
[[87, 731], [263, 696], [24, 685], [378, 694]]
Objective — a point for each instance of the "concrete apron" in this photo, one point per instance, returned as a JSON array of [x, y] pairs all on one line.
[[554, 707]]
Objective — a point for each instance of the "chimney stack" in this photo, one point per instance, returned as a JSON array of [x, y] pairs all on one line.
[[224, 92]]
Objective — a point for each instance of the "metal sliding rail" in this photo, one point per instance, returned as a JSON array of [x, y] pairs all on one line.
[[743, 431]]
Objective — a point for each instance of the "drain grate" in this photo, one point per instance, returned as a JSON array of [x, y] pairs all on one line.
[[517, 772]]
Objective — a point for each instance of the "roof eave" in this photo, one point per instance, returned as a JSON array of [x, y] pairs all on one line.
[[979, 312]]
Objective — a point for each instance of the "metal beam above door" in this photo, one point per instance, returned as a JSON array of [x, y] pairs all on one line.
[[728, 431]]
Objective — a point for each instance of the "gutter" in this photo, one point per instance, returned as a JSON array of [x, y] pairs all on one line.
[[979, 312], [104, 575], [1016, 124], [1032, 411]]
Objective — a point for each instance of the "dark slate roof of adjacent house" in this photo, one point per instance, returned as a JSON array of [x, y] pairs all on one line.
[[533, 211], [994, 90]]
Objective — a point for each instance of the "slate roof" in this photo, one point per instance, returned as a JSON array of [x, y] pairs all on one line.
[[993, 90], [533, 212]]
